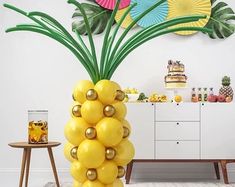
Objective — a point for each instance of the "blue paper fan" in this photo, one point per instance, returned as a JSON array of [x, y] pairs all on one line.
[[157, 15]]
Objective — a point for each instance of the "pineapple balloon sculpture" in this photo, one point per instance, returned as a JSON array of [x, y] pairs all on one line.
[[226, 90], [97, 133]]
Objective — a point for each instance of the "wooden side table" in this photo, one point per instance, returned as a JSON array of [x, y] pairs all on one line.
[[26, 158]]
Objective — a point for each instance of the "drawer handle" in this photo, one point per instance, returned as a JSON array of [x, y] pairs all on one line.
[[177, 123], [177, 143]]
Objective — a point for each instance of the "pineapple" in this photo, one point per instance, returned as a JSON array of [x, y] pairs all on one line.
[[97, 133], [226, 89]]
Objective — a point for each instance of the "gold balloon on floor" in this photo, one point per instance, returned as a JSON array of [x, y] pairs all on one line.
[[97, 134]]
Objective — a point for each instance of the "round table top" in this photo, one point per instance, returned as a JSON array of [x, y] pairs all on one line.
[[28, 145]]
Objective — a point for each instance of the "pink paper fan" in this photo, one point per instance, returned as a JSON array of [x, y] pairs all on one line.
[[110, 4]]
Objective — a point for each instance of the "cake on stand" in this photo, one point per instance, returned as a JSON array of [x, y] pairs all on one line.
[[175, 80]]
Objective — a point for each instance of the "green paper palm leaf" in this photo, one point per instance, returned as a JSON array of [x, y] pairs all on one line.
[[97, 17], [219, 22]]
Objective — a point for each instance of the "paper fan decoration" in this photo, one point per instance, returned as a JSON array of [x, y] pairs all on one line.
[[179, 8], [127, 21], [157, 15], [110, 4]]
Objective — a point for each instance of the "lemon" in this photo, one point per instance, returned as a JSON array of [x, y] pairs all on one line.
[[117, 183], [120, 108], [92, 111], [106, 91], [124, 153], [80, 90], [178, 98], [107, 172], [109, 131], [78, 171], [75, 130], [91, 153]]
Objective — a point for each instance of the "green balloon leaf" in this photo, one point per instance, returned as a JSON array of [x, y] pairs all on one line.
[[98, 18], [220, 20]]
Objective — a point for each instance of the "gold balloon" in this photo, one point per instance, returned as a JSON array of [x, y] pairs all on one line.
[[120, 95], [76, 110], [91, 174], [109, 110], [121, 171], [91, 95], [73, 153], [110, 153], [126, 132], [90, 133]]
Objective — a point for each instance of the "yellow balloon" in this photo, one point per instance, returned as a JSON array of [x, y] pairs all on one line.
[[106, 91], [126, 124], [117, 86], [117, 183], [107, 172], [77, 184], [124, 153], [109, 131], [80, 90], [93, 184], [92, 111], [75, 130], [78, 171], [67, 147], [91, 153], [120, 108]]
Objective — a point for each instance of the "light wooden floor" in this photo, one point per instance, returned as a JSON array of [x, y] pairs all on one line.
[[164, 184]]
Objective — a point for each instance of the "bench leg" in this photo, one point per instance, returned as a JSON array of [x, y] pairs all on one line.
[[128, 172], [223, 164], [216, 166], [53, 166], [23, 167]]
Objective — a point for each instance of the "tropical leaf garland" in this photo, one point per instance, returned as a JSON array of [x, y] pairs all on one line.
[[220, 20], [98, 18]]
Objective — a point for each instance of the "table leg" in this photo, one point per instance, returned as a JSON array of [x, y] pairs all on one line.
[[23, 167], [224, 170], [27, 166], [128, 172], [216, 166], [53, 166]]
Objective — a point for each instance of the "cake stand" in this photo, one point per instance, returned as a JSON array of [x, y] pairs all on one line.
[[173, 91]]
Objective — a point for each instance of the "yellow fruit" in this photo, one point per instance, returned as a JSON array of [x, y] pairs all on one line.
[[117, 183], [67, 148], [106, 91], [109, 131], [107, 172], [75, 130], [77, 184], [91, 153], [78, 171], [92, 111], [80, 90], [120, 108], [178, 98], [124, 153], [93, 184]]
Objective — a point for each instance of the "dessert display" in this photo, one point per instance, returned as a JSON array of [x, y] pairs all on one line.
[[175, 77], [38, 132]]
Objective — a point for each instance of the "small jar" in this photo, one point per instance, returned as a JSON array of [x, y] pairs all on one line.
[[37, 126]]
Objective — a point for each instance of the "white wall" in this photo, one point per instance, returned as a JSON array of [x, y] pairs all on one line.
[[38, 73]]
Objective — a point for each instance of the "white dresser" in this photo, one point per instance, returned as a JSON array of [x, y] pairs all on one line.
[[195, 132]]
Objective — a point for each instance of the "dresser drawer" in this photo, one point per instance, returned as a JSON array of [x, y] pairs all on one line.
[[177, 149], [177, 112], [177, 130]]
